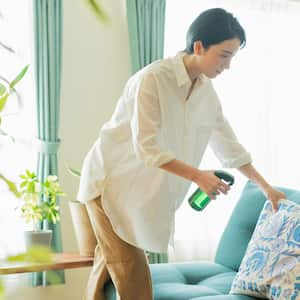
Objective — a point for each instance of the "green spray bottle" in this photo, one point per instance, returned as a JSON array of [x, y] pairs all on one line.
[[200, 199]]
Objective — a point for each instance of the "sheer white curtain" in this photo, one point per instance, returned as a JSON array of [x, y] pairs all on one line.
[[15, 157], [260, 96]]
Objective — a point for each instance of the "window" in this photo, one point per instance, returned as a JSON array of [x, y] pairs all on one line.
[[260, 97], [15, 157]]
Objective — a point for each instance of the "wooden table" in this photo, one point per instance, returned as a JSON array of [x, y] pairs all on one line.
[[60, 261]]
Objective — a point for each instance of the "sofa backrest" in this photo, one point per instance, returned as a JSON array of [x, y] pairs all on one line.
[[238, 232]]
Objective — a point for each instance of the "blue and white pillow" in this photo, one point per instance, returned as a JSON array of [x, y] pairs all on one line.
[[271, 265]]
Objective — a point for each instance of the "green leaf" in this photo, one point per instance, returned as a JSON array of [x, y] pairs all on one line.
[[2, 132], [74, 172], [6, 47], [97, 10], [23, 184], [3, 100], [29, 174], [19, 77], [2, 89], [1, 290], [12, 187], [33, 254]]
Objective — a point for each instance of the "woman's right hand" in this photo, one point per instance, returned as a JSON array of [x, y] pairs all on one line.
[[208, 182]]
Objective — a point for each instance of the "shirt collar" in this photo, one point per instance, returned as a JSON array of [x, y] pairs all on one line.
[[181, 73]]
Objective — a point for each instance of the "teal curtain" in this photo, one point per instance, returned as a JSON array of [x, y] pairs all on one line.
[[146, 28], [157, 258], [47, 16]]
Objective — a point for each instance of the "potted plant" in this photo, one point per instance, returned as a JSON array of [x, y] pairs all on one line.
[[34, 210], [85, 237]]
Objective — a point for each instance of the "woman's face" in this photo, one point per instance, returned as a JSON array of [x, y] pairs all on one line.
[[214, 60]]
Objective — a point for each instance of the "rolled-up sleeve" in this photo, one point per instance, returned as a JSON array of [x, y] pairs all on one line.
[[145, 125], [226, 146]]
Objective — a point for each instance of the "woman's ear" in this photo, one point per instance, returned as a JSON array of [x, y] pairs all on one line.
[[198, 48]]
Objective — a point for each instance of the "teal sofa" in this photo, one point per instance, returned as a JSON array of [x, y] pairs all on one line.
[[212, 280]]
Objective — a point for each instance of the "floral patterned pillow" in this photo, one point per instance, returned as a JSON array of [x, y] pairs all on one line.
[[271, 265]]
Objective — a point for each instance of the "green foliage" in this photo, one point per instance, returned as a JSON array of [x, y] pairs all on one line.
[[18, 77], [1, 290], [12, 187], [35, 254], [97, 10], [32, 191], [3, 99], [6, 91], [2, 89], [74, 172]]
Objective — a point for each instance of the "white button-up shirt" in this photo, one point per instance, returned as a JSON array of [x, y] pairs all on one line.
[[154, 123]]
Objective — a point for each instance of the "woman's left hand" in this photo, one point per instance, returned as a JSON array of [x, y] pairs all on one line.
[[274, 196]]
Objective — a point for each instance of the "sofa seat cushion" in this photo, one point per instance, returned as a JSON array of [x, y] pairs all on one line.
[[188, 280], [180, 281]]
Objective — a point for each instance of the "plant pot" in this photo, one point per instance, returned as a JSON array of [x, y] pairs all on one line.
[[38, 238], [85, 237]]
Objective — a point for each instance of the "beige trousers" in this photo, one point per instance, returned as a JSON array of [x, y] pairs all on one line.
[[125, 264]]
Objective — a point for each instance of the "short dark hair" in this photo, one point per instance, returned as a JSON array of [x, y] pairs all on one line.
[[213, 26]]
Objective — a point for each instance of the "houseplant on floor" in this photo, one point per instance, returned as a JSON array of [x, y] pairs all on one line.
[[39, 204]]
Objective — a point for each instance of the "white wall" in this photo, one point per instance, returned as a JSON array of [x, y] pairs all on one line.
[[95, 67]]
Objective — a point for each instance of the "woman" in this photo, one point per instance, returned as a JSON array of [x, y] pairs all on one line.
[[138, 171]]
